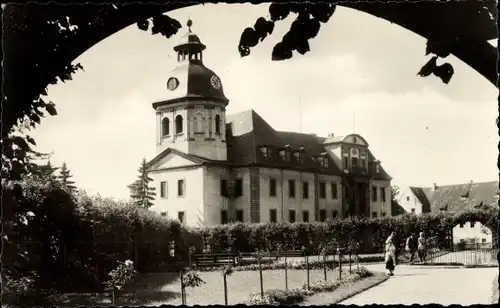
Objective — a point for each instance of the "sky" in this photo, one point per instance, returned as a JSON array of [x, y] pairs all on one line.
[[359, 77]]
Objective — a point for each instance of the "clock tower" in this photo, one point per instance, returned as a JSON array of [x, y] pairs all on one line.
[[191, 116]]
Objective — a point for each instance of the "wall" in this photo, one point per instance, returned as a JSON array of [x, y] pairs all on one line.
[[329, 204], [467, 232], [213, 201], [378, 206], [191, 202], [283, 203], [408, 201]]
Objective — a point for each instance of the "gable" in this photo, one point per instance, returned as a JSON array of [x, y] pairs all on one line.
[[172, 160], [355, 139]]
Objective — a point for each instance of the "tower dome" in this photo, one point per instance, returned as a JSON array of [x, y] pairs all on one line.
[[191, 79]]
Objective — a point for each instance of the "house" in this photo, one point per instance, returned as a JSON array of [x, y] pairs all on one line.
[[212, 169], [455, 198]]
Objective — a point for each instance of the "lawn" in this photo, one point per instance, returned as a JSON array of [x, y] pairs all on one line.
[[164, 288]]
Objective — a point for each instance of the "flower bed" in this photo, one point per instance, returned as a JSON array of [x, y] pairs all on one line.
[[295, 296]]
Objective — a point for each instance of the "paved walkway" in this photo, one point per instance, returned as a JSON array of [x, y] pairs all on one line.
[[430, 285]]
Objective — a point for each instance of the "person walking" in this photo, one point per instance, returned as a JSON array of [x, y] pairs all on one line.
[[390, 255], [422, 247], [411, 246]]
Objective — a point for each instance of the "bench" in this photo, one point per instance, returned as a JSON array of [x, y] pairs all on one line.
[[214, 259], [287, 254]]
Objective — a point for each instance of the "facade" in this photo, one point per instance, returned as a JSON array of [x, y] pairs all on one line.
[[456, 198], [212, 169]]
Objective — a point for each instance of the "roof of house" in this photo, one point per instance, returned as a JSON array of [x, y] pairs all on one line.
[[247, 132], [458, 197]]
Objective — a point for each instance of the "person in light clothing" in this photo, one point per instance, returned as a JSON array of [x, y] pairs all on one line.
[[422, 247], [390, 254]]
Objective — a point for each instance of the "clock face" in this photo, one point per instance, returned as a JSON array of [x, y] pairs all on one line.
[[215, 82], [172, 83]]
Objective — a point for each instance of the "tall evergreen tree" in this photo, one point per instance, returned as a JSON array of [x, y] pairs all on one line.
[[45, 171], [141, 192], [65, 178]]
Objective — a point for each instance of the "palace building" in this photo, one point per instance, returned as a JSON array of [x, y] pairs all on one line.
[[212, 169]]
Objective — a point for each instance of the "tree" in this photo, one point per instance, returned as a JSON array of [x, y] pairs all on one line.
[[65, 176], [141, 192], [46, 172], [396, 208]]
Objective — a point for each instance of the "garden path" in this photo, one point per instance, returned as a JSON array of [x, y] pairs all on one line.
[[426, 285]]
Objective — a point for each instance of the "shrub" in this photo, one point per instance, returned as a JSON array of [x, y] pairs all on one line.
[[369, 233]]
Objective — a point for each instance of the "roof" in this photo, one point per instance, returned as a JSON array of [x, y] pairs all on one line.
[[247, 132], [458, 197], [194, 158]]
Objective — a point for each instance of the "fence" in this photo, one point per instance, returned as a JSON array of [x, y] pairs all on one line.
[[467, 257]]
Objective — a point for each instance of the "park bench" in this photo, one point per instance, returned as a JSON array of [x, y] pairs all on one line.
[[287, 254], [214, 259]]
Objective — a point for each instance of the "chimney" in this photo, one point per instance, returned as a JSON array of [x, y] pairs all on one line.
[[331, 135], [434, 186]]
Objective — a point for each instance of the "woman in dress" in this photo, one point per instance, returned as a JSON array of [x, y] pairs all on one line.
[[422, 247], [390, 254]]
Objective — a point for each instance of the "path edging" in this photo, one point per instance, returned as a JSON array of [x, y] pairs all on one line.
[[384, 279]]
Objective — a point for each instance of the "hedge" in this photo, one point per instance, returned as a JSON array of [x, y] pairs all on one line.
[[370, 233]]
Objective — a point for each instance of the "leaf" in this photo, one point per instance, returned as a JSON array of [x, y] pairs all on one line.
[[143, 25], [279, 11], [445, 72], [51, 109], [31, 140], [428, 68], [439, 48]]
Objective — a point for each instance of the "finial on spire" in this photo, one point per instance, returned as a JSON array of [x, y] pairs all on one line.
[[189, 23]]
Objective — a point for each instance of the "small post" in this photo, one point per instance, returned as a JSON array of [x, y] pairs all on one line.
[[225, 289], [340, 264], [286, 275], [324, 266], [350, 262], [307, 268], [183, 295], [113, 298]]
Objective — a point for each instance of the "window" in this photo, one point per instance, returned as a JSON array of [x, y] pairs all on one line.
[[223, 217], [413, 210], [178, 124], [346, 192], [164, 214], [291, 188], [346, 163], [382, 194], [291, 215], [374, 214], [461, 225], [374, 194], [408, 198], [305, 190], [165, 127], [239, 215], [180, 188], [472, 224], [354, 161], [362, 163], [334, 190], [163, 189], [305, 216], [238, 189], [180, 216], [217, 124], [223, 188], [322, 215], [265, 151], [272, 187], [377, 168], [335, 214], [199, 123], [483, 240], [383, 214], [322, 190], [273, 215]]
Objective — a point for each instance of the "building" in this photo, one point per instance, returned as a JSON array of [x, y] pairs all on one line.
[[456, 198], [212, 169]]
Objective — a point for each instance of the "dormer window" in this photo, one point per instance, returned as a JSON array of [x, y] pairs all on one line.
[[265, 151], [285, 153], [299, 156], [323, 161]]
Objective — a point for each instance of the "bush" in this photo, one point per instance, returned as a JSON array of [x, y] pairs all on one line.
[[370, 233]]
